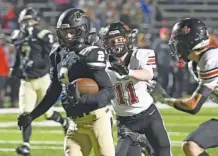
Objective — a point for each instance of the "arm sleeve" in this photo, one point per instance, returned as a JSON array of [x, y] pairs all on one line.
[[96, 62], [53, 92], [146, 58]]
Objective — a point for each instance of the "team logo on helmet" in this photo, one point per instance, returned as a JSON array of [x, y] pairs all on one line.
[[186, 30]]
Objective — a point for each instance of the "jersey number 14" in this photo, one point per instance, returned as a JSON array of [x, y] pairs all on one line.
[[131, 92]]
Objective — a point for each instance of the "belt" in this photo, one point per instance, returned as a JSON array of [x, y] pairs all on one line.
[[85, 114], [136, 115]]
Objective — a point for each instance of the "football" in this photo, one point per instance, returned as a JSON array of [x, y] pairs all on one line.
[[87, 86]]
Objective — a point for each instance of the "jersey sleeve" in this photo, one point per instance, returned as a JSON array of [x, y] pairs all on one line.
[[48, 39], [96, 58], [209, 71], [146, 58]]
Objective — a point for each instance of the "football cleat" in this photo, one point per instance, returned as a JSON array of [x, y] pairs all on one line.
[[23, 150]]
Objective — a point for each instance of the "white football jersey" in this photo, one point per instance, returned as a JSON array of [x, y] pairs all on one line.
[[208, 71], [131, 95]]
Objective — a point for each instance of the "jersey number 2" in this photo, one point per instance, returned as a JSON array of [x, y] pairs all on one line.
[[131, 91]]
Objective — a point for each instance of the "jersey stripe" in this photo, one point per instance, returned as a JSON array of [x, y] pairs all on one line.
[[209, 74], [97, 64]]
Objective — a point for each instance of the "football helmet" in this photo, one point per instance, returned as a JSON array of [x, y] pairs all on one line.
[[28, 17], [115, 39], [73, 28], [188, 35]]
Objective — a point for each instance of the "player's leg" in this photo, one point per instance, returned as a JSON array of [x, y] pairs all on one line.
[[103, 133], [27, 101], [76, 143], [42, 85], [205, 136], [157, 134]]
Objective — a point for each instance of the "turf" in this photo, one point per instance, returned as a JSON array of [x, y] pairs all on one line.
[[48, 141]]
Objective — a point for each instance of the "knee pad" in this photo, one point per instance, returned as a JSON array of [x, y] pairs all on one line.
[[204, 154]]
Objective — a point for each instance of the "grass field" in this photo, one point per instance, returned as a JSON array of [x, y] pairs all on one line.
[[47, 137]]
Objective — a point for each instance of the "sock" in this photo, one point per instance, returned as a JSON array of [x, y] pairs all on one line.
[[56, 116], [26, 134], [26, 144], [204, 154]]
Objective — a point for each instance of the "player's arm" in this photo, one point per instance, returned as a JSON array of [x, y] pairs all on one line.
[[192, 104], [96, 61], [147, 64], [52, 94]]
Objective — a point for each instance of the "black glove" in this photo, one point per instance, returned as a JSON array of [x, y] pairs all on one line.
[[24, 120], [69, 59], [117, 67], [70, 94], [136, 137]]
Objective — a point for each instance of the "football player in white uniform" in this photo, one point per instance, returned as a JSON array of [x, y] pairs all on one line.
[[189, 41], [129, 70]]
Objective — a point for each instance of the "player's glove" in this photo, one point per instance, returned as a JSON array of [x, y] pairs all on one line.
[[136, 137], [70, 94], [117, 67], [24, 120], [69, 59]]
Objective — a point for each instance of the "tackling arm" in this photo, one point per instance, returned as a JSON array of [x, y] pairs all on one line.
[[193, 104]]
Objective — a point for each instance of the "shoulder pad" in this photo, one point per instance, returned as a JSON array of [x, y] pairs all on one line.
[[15, 34], [43, 33], [87, 50]]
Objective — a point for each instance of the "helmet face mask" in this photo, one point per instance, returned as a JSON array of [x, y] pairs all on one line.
[[117, 45], [116, 40]]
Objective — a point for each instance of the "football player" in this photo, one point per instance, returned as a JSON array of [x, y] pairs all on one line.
[[129, 70], [71, 59], [32, 56], [189, 41]]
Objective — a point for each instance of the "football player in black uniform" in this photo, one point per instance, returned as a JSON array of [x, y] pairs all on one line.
[[71, 59], [190, 41], [32, 46]]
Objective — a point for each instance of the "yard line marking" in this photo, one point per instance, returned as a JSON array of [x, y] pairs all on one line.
[[34, 142], [34, 148], [60, 109], [11, 131], [7, 131]]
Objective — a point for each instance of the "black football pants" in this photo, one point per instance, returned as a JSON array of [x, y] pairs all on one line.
[[150, 123]]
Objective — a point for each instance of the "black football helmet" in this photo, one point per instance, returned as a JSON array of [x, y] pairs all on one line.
[[188, 35], [73, 28], [115, 39], [26, 16]]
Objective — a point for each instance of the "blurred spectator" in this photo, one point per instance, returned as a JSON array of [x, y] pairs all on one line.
[[95, 22], [63, 4], [124, 16], [143, 40], [4, 68], [163, 57], [9, 19]]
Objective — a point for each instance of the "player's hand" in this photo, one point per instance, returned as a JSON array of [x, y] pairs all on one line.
[[156, 90], [136, 137], [70, 59], [24, 120], [71, 94]]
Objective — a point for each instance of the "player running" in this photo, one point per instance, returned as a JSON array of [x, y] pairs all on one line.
[[189, 41], [129, 70], [71, 59]]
